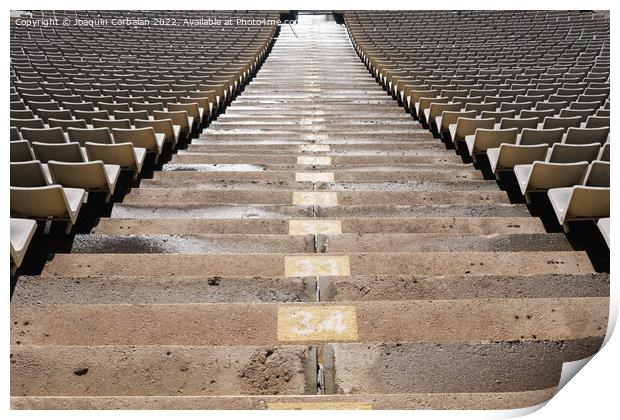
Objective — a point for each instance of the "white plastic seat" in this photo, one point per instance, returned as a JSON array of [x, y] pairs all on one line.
[[484, 139], [65, 152], [49, 202], [506, 156], [29, 174], [467, 126], [125, 155], [140, 137], [22, 231], [604, 227], [568, 153], [529, 136], [542, 176], [90, 176], [93, 135], [44, 135], [579, 203]]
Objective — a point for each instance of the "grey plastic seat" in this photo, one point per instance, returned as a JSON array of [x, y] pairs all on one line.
[[49, 202], [44, 135], [518, 123], [65, 152], [29, 174], [449, 118], [125, 155], [542, 176], [26, 123], [20, 151], [180, 118], [569, 153], [604, 227], [529, 136], [92, 176], [22, 231], [586, 135], [93, 135], [484, 139], [67, 124], [597, 122], [579, 203], [506, 156]]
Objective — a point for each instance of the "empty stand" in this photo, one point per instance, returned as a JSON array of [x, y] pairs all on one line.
[[303, 240]]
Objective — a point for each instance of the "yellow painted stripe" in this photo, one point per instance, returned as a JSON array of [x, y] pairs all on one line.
[[316, 265], [314, 176], [317, 323], [319, 406], [315, 198], [314, 160], [314, 226]]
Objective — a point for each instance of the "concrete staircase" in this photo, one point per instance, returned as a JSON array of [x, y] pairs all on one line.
[[315, 248]]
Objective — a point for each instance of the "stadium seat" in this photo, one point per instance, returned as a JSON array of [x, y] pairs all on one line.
[[542, 176], [52, 202], [22, 231], [64, 152]]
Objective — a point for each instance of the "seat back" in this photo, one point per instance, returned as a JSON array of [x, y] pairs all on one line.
[[86, 175], [597, 174], [531, 136], [94, 135], [588, 202], [604, 153], [139, 137], [20, 151], [468, 126], [121, 154], [597, 122], [511, 155], [568, 153], [26, 123], [44, 135], [486, 138], [518, 123], [564, 123], [164, 127], [65, 152], [498, 115], [179, 118], [39, 202], [97, 123], [131, 115], [586, 135], [66, 124], [547, 175], [451, 117], [28, 174]]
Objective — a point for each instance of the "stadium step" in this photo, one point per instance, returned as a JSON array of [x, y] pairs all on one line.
[[315, 248]]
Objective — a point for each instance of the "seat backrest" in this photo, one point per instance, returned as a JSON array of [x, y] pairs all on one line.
[[586, 135], [65, 152], [39, 202], [27, 123], [437, 108], [20, 151], [531, 136], [567, 153], [498, 115], [467, 126], [518, 123], [15, 134], [86, 175], [425, 103], [191, 108], [66, 124], [604, 153], [597, 122], [597, 174], [60, 114], [121, 154], [179, 118], [557, 122], [28, 174], [131, 115], [547, 175], [588, 202], [93, 135], [89, 116], [139, 137], [510, 154], [487, 138], [97, 123], [44, 135], [148, 107], [164, 127]]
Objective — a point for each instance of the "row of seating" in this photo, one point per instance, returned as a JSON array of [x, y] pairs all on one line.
[[523, 95], [95, 110]]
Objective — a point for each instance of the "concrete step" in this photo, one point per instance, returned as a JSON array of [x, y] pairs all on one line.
[[422, 225], [420, 401], [352, 368], [188, 196], [162, 370], [257, 324]]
